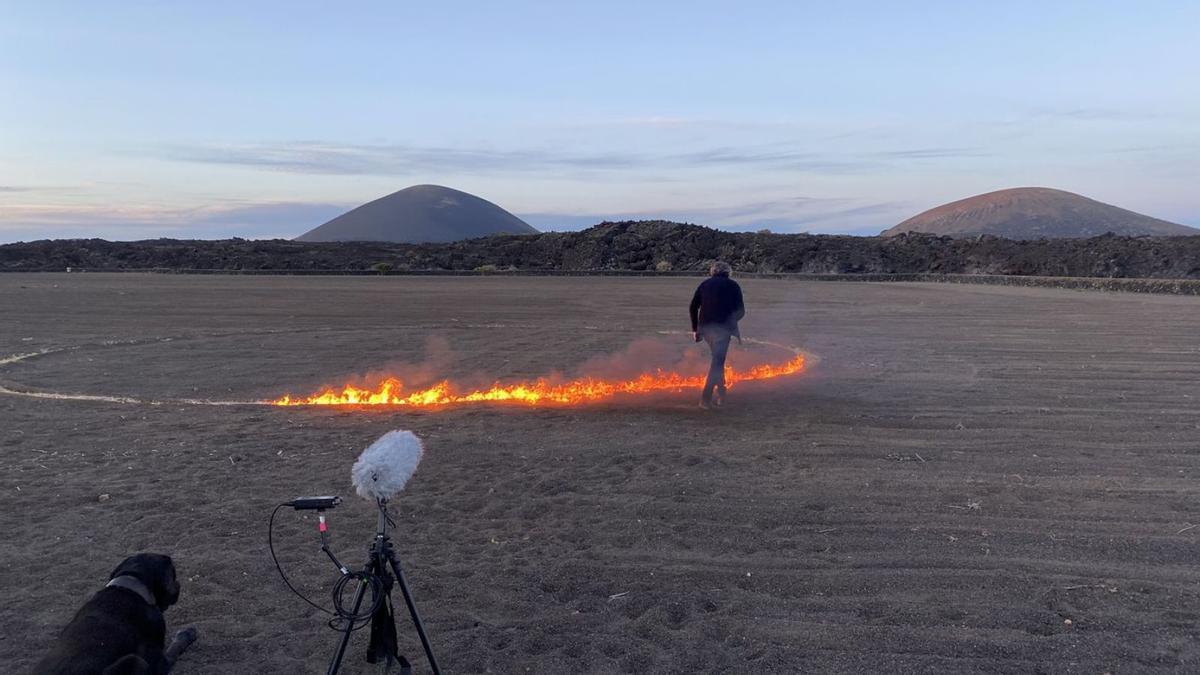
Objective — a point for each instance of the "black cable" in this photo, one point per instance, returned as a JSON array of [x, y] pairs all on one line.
[[377, 596], [340, 614], [387, 516], [271, 545]]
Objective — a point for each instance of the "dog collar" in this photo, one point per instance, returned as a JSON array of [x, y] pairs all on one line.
[[132, 584]]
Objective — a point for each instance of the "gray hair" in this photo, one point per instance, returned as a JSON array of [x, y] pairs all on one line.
[[720, 269]]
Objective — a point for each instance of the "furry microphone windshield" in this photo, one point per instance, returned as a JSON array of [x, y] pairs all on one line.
[[383, 468]]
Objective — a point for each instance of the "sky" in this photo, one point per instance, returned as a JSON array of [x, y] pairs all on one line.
[[135, 120]]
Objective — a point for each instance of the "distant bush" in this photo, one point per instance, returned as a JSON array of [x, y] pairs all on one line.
[[487, 268], [382, 268], [765, 230], [664, 266]]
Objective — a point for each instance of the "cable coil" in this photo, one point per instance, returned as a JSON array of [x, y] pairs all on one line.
[[341, 615]]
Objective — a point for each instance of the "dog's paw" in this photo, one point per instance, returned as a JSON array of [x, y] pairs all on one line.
[[186, 636]]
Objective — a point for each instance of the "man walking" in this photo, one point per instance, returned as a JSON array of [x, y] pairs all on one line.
[[716, 309]]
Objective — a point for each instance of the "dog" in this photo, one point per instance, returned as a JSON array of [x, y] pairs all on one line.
[[121, 630]]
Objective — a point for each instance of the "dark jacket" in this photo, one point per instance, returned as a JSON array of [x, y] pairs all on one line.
[[718, 301]]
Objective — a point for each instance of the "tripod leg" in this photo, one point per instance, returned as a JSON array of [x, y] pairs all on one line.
[[412, 610], [383, 646], [336, 664]]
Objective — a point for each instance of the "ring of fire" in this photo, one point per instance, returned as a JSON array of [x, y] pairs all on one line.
[[539, 392], [391, 392]]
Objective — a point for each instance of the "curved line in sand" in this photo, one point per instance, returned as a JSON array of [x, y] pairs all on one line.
[[131, 400]]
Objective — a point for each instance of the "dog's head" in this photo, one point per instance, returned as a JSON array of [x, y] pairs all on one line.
[[154, 570]]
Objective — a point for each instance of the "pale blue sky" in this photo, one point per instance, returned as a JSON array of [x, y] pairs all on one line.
[[130, 120]]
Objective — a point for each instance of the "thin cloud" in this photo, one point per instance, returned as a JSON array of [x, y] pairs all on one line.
[[23, 189], [662, 122], [1181, 150], [256, 220], [399, 159], [671, 122], [1027, 120], [931, 153], [390, 159], [1094, 114], [772, 157]]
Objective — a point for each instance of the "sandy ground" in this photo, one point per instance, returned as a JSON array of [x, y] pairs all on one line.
[[973, 479]]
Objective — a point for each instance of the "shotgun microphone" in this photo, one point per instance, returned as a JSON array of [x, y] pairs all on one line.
[[386, 465]]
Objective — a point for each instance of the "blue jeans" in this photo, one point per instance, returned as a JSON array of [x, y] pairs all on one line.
[[717, 337]]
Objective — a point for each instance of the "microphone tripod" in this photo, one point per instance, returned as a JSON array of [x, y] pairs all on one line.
[[382, 569]]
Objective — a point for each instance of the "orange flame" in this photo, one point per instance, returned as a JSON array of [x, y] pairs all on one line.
[[539, 392]]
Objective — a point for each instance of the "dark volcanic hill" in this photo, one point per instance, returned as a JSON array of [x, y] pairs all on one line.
[[420, 214], [1035, 213]]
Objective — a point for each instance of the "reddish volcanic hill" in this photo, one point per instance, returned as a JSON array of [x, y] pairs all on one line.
[[420, 214], [1035, 213]]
